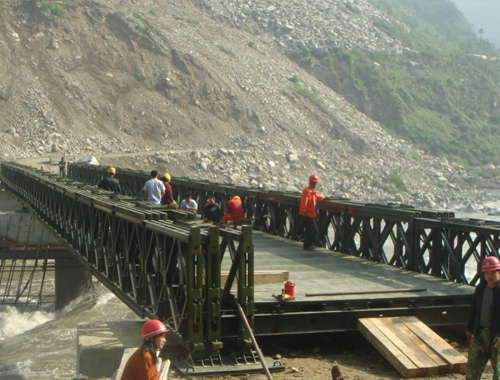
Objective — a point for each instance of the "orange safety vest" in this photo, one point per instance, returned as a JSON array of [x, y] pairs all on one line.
[[234, 212], [140, 366], [308, 202]]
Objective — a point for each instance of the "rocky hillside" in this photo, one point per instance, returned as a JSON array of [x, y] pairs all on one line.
[[202, 88]]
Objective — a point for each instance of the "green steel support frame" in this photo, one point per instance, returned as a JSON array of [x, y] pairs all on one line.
[[425, 241], [158, 267]]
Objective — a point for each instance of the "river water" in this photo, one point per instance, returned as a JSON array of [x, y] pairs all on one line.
[[42, 344]]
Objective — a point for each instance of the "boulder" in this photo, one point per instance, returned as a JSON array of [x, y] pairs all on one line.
[[90, 160]]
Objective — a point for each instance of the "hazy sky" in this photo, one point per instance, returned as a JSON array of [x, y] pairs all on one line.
[[483, 14]]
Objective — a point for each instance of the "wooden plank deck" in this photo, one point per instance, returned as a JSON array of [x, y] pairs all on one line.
[[326, 271], [411, 347]]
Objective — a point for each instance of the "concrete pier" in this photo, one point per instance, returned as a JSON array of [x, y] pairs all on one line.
[[24, 237], [72, 280], [101, 346]]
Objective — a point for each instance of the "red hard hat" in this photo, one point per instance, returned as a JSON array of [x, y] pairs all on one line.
[[313, 178], [153, 328], [491, 264]]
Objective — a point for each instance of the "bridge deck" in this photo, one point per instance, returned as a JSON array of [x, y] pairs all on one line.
[[436, 301], [324, 271]]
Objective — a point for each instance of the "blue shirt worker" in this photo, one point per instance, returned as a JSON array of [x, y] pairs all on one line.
[[188, 204], [483, 326], [153, 189]]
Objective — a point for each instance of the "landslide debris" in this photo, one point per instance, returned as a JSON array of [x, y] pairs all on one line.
[[202, 89]]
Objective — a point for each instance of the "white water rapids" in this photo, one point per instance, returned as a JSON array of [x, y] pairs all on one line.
[[42, 345]]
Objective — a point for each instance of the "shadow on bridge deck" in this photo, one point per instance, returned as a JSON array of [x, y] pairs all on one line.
[[434, 300], [325, 271]]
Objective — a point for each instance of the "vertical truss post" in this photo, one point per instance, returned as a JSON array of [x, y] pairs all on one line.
[[213, 291], [245, 259], [377, 247], [459, 255], [436, 254], [413, 234], [346, 227], [195, 285], [364, 244]]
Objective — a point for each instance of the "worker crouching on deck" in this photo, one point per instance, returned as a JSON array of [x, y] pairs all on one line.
[[211, 210], [142, 365], [483, 327], [234, 212], [308, 211]]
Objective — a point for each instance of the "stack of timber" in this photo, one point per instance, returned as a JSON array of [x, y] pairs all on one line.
[[412, 347]]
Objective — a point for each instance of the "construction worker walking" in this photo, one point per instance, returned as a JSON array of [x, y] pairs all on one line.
[[308, 211], [483, 326], [110, 183], [153, 189], [168, 197]]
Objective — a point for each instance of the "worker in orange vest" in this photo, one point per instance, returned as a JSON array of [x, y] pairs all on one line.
[[308, 211], [234, 212], [143, 362]]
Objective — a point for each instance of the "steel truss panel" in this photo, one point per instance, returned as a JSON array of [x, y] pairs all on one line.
[[160, 268], [433, 242]]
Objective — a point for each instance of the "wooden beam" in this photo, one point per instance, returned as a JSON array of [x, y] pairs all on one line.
[[387, 348], [411, 347], [264, 276]]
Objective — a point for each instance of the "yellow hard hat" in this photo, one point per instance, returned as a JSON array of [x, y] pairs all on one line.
[[167, 177], [237, 197], [112, 170]]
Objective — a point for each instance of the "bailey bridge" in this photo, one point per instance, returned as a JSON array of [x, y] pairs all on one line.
[[372, 259]]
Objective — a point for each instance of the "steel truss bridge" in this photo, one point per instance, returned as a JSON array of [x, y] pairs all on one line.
[[163, 264], [424, 241]]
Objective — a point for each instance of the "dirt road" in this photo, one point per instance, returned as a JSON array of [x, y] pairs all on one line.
[[311, 358]]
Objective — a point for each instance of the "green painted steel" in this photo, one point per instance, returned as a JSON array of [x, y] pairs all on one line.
[[196, 292], [245, 256], [158, 261], [168, 265], [427, 241], [213, 292]]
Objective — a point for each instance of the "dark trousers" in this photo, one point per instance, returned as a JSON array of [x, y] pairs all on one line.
[[310, 232]]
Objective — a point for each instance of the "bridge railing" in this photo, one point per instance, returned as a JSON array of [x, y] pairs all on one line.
[[170, 269], [427, 241]]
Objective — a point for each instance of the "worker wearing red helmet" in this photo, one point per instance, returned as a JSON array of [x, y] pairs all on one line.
[[308, 211], [483, 327], [142, 365]]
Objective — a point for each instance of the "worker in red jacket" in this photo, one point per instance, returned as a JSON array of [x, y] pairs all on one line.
[[234, 212], [308, 211], [143, 362], [168, 197]]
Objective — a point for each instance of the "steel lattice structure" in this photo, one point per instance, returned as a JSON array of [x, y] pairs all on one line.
[[425, 241], [160, 268]]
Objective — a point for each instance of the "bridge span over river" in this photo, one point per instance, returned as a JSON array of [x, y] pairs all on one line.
[[371, 260]]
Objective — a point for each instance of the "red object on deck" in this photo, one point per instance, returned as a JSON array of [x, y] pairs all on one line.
[[290, 289]]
